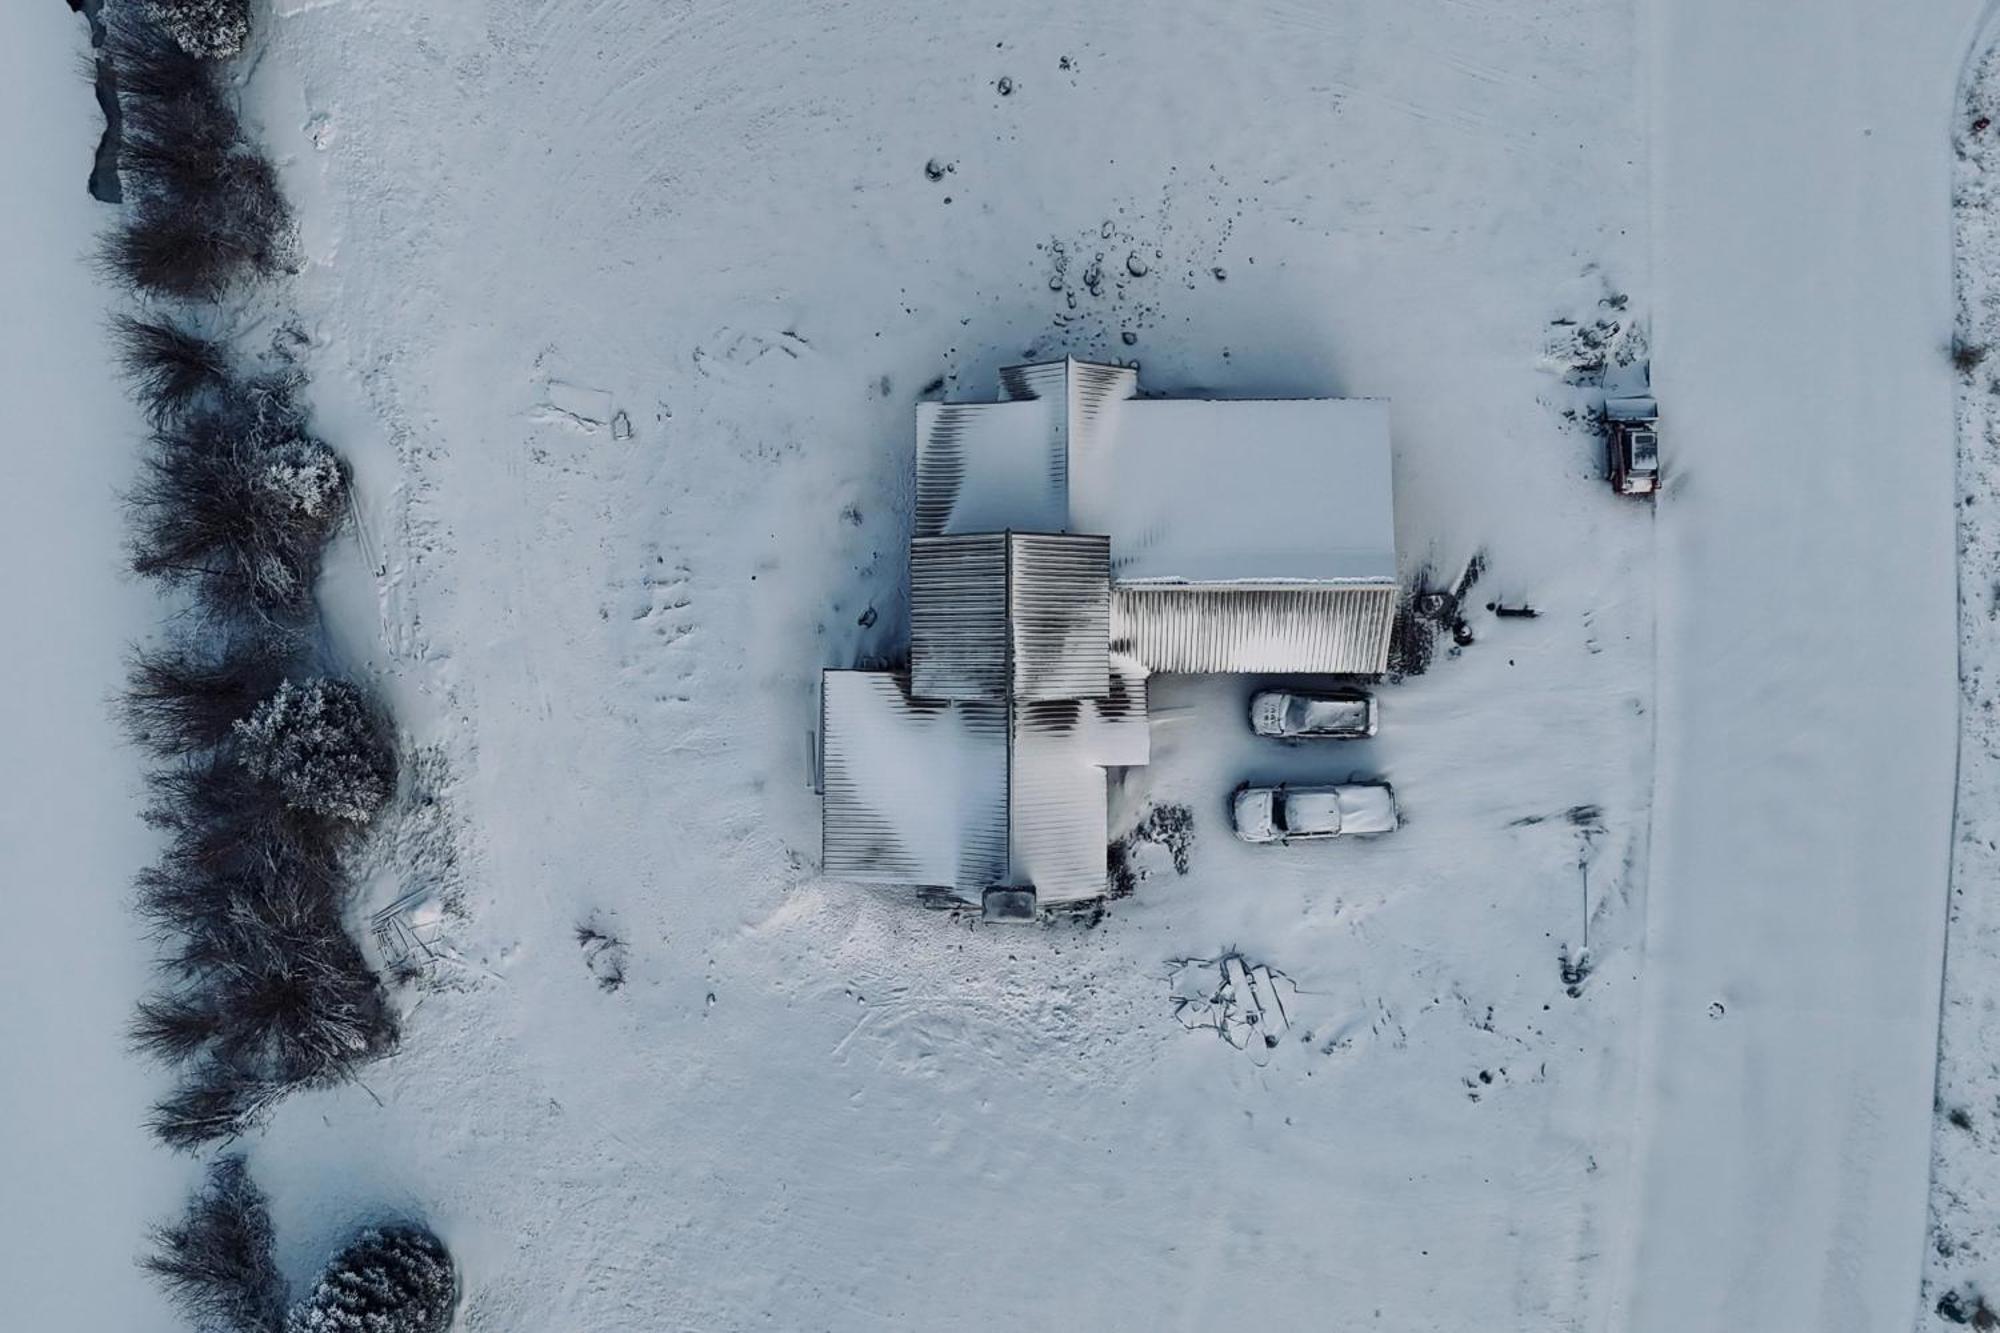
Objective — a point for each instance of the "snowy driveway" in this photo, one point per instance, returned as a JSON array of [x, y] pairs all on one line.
[[1807, 652]]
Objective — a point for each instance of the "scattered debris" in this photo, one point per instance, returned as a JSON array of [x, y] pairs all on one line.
[[867, 618], [1005, 87], [1510, 612], [1242, 1002], [1594, 337], [1426, 613], [1170, 826], [1967, 1306], [604, 954], [410, 934], [1575, 970], [590, 407]]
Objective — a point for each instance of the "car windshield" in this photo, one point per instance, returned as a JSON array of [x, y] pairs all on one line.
[[1328, 714]]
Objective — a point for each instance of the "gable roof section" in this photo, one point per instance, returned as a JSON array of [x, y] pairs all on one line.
[[984, 467], [967, 795], [958, 617], [999, 615], [916, 791], [1059, 615]]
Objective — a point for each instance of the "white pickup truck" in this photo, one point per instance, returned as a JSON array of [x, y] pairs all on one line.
[[1284, 812]]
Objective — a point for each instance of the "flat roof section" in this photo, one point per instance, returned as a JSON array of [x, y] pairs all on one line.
[[1278, 491]]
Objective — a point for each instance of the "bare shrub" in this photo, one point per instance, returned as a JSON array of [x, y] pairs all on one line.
[[215, 1102], [170, 367], [185, 697], [239, 503], [207, 208], [150, 65], [216, 1261], [169, 248]]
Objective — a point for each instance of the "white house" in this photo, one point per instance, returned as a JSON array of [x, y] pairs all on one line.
[[1069, 541]]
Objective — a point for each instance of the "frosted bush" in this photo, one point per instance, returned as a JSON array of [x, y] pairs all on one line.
[[305, 477], [390, 1280], [317, 742], [205, 28]]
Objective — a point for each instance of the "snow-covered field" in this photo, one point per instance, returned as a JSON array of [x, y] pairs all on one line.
[[1554, 1063], [82, 1177]]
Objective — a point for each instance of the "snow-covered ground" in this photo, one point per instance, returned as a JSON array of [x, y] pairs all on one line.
[[1554, 1063], [812, 1105], [1802, 314], [1960, 1274], [82, 1177]]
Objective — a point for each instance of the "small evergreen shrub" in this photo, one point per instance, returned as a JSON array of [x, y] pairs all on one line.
[[396, 1279]]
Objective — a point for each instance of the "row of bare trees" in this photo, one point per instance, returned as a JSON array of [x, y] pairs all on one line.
[[268, 770]]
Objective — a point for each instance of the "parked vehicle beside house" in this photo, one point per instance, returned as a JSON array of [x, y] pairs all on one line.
[[1632, 441], [1299, 715], [1284, 813]]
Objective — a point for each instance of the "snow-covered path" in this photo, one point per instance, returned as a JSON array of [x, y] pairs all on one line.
[[1803, 305], [82, 1178]]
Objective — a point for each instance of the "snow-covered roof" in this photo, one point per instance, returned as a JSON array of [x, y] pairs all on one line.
[[1009, 615], [982, 467], [970, 794], [915, 790], [1057, 805], [1235, 491], [1255, 491]]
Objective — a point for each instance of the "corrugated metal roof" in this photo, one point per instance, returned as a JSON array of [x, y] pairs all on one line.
[[916, 791], [984, 467], [1056, 800], [1202, 628], [958, 617], [990, 610], [1059, 615], [1057, 805]]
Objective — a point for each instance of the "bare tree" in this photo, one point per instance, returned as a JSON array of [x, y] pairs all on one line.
[[170, 367], [207, 208], [239, 503], [215, 1102], [216, 1261], [184, 698]]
